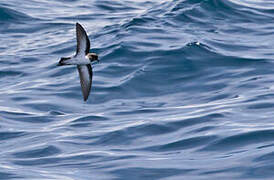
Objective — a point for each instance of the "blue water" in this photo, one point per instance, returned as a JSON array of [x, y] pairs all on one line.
[[184, 90]]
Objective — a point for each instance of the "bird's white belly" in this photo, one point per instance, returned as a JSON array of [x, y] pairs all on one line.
[[79, 60]]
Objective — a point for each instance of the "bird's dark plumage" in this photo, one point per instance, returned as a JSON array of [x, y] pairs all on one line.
[[83, 43], [85, 73]]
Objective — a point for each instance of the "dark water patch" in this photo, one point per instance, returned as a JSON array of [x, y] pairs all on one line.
[[138, 111], [43, 106], [81, 125], [209, 20], [182, 144], [86, 121], [130, 134], [37, 162], [138, 21], [56, 113], [28, 60], [6, 135], [10, 73], [258, 172], [115, 7], [126, 135], [265, 158], [127, 52], [77, 160], [82, 17], [227, 10], [264, 164], [150, 129], [109, 30], [180, 5], [37, 153], [234, 172], [10, 15], [261, 7], [240, 140], [203, 129], [90, 118], [265, 146], [6, 175], [149, 173], [145, 44], [258, 106], [195, 121], [119, 137], [28, 118], [11, 113], [94, 162], [27, 28], [64, 1], [151, 31]]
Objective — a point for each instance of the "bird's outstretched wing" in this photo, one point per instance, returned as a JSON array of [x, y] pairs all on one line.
[[83, 44], [85, 72]]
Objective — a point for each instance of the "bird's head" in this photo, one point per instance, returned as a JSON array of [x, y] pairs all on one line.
[[92, 57]]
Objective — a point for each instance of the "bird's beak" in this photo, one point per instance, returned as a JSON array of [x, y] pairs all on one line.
[[95, 57]]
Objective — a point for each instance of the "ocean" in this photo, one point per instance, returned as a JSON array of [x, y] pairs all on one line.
[[184, 90]]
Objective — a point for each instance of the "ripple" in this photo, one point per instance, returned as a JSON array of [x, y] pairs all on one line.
[[265, 5], [182, 87], [7, 73], [115, 7], [189, 143], [8, 15], [152, 173], [5, 175], [240, 140], [6, 135], [38, 153]]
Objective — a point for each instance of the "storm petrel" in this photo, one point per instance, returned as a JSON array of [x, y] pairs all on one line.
[[82, 59]]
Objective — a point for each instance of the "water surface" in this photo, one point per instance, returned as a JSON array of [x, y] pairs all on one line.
[[184, 90]]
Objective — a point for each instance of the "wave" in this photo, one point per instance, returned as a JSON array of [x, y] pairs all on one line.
[[179, 82], [10, 15], [240, 141]]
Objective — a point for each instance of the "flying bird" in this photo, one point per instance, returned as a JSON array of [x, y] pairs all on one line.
[[82, 59]]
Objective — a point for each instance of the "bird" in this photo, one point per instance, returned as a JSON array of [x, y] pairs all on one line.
[[83, 59]]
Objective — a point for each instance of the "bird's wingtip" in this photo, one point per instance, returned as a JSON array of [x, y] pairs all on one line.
[[78, 24]]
